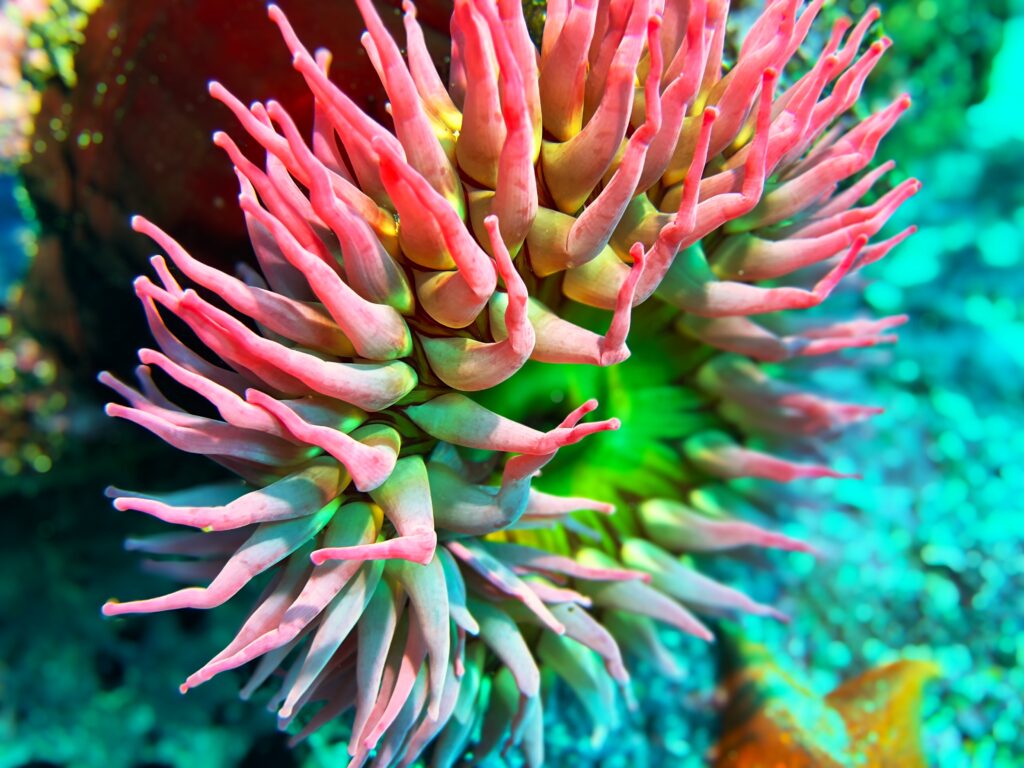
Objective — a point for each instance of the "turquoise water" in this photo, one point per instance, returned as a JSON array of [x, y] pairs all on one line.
[[13, 235]]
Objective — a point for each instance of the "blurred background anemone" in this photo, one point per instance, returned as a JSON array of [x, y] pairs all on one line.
[[923, 558]]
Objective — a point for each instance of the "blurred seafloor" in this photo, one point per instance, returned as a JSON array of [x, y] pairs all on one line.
[[924, 556]]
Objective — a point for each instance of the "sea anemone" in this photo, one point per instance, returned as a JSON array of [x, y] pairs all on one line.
[[414, 575]]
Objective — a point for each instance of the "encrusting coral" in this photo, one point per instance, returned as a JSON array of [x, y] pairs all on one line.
[[624, 160], [38, 39]]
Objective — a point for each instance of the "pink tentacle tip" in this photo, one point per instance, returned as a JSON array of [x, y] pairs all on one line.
[[121, 504], [502, 257], [577, 414], [775, 613], [639, 257], [608, 425], [637, 253], [828, 283], [222, 140], [775, 540], [143, 288], [879, 251], [219, 92], [833, 474], [703, 633], [320, 556]]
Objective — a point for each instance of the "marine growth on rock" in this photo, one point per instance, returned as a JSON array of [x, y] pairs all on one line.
[[640, 155]]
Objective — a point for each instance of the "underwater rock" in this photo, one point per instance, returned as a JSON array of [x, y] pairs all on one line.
[[774, 719]]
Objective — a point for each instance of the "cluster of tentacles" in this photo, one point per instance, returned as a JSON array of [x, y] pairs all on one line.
[[398, 271]]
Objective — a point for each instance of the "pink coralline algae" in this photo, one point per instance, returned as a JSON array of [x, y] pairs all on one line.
[[399, 270], [18, 100]]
